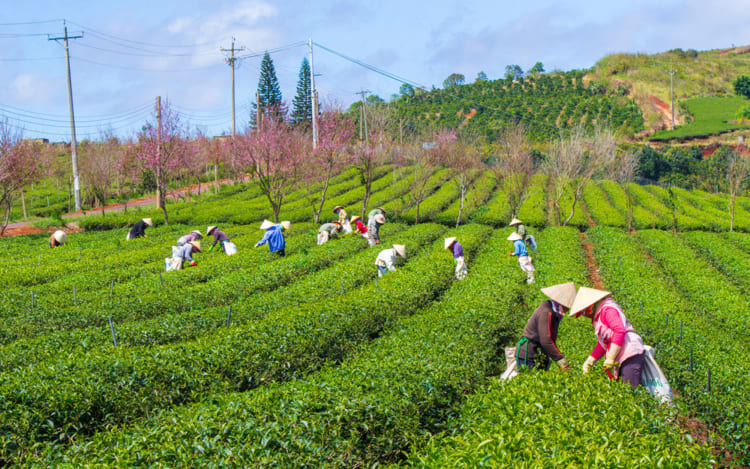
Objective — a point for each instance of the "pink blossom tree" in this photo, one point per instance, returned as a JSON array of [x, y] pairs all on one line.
[[274, 154], [332, 155], [99, 166], [21, 163], [129, 171], [461, 159], [162, 147]]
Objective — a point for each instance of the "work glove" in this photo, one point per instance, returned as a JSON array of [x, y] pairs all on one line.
[[510, 254], [193, 264], [455, 261], [588, 364], [609, 361], [563, 364], [256, 245], [211, 248]]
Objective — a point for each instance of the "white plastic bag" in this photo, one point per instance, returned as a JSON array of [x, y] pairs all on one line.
[[173, 263], [653, 379], [230, 248], [510, 358], [347, 227]]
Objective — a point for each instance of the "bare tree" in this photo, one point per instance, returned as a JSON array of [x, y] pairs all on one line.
[[737, 173], [624, 170], [514, 165], [460, 157], [99, 166], [572, 162], [375, 149], [421, 163]]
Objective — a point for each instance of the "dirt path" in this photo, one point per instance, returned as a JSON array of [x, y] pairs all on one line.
[[593, 270], [21, 228]]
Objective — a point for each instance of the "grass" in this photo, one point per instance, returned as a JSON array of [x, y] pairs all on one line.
[[711, 116]]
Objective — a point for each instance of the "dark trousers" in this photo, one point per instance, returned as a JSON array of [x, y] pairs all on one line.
[[630, 370]]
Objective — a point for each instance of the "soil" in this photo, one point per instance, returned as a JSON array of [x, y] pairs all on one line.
[[593, 270], [24, 227], [664, 110]]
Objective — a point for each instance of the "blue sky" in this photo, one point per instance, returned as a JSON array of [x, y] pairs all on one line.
[[133, 51]]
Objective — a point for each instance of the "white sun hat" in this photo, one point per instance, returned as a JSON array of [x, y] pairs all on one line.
[[210, 229], [563, 293], [287, 225], [60, 236], [585, 298], [514, 236], [266, 224], [448, 242], [400, 249], [148, 221], [515, 221]]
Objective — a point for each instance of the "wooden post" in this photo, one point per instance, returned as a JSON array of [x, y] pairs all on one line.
[[112, 330]]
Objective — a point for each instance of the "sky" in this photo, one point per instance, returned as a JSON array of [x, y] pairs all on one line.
[[131, 52]]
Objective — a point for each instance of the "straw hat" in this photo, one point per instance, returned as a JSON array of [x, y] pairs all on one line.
[[196, 245], [148, 221], [210, 229], [400, 249], [585, 298], [354, 218], [60, 236], [380, 218], [381, 209], [563, 293], [515, 221], [338, 207], [266, 224], [514, 236], [287, 225], [449, 242], [197, 234]]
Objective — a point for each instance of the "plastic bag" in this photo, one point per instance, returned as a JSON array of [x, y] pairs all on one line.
[[653, 379], [230, 248], [510, 358], [173, 263]]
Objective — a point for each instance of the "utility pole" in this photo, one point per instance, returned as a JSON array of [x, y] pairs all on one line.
[[259, 115], [158, 152], [671, 91], [314, 99], [73, 153], [230, 61], [363, 120]]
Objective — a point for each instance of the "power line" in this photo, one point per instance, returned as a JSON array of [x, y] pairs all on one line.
[[139, 42]]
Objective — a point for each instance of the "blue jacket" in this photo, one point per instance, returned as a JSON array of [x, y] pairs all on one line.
[[275, 238], [520, 247]]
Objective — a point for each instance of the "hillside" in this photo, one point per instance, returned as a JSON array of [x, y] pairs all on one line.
[[696, 73]]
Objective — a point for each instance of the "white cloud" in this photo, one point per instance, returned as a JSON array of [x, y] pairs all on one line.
[[30, 88]]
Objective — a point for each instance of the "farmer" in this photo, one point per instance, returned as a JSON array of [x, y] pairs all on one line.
[[521, 230], [373, 228], [194, 235], [57, 238], [616, 339], [359, 227], [524, 261], [185, 252], [375, 211], [219, 237], [139, 229], [539, 342], [387, 258], [458, 257], [274, 236], [328, 231], [343, 221]]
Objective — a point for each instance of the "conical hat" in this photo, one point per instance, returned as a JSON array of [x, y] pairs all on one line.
[[197, 234], [400, 249], [354, 218], [563, 293], [515, 221], [148, 221], [210, 229], [60, 236], [587, 297], [287, 225], [196, 245], [448, 242], [380, 218], [381, 209], [338, 207], [266, 224], [514, 236]]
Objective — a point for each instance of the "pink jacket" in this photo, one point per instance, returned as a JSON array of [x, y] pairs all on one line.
[[612, 327]]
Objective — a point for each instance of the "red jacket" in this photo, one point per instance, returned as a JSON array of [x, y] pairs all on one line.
[[361, 227]]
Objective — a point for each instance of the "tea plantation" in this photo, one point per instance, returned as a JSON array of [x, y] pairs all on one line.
[[310, 360]]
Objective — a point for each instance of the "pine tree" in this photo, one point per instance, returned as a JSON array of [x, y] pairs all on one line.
[[269, 93], [302, 104]]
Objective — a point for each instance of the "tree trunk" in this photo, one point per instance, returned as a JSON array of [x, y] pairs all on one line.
[[316, 215], [23, 204], [8, 206], [216, 179], [731, 212], [572, 209], [460, 206]]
